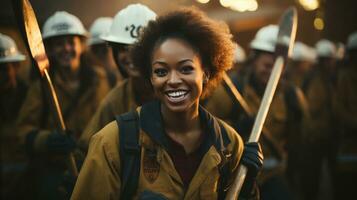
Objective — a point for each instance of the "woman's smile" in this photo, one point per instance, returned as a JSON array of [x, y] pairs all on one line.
[[177, 75], [177, 96]]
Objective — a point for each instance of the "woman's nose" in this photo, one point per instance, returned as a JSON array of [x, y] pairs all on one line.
[[174, 78]]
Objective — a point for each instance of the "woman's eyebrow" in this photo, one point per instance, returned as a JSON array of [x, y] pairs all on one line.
[[179, 62], [159, 62], [185, 60]]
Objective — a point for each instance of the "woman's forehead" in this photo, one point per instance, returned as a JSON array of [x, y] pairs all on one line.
[[174, 49]]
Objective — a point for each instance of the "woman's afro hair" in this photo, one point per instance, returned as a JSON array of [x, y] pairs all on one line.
[[212, 40]]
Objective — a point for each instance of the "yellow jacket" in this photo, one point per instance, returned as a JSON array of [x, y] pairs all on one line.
[[10, 103], [320, 94], [101, 171], [221, 105], [346, 106], [35, 114], [118, 101]]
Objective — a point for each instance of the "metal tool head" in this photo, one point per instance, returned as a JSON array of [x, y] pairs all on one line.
[[30, 30], [287, 32]]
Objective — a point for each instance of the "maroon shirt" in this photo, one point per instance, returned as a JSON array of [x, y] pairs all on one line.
[[186, 164]]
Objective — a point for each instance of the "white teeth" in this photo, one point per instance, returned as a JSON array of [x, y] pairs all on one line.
[[176, 94]]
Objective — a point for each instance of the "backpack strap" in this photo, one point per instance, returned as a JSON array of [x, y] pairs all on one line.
[[224, 170], [130, 153]]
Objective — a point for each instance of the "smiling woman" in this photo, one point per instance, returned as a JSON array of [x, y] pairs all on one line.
[[184, 152], [210, 40], [177, 74]]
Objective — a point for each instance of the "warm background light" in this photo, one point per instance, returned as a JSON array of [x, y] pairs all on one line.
[[309, 5], [319, 24], [240, 5], [202, 1], [226, 3]]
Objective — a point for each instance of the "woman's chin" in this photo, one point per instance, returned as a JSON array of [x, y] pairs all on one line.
[[177, 108]]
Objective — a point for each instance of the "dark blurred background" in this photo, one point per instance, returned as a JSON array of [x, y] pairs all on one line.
[[338, 17]]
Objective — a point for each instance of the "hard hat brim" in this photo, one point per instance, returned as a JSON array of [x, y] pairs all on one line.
[[262, 47], [49, 36], [15, 58], [94, 41], [115, 39]]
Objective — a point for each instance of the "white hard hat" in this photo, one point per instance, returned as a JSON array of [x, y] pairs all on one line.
[[352, 41], [239, 54], [100, 27], [325, 48], [128, 23], [9, 51], [302, 52], [265, 39], [62, 23]]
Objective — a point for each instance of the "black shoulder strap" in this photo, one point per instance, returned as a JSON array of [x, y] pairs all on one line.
[[129, 153], [224, 170]]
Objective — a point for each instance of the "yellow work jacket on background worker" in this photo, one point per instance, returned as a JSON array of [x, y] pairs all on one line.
[[347, 100], [346, 108], [77, 107], [118, 101], [100, 177], [320, 94]]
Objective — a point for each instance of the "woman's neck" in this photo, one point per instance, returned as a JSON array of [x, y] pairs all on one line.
[[184, 128], [181, 123]]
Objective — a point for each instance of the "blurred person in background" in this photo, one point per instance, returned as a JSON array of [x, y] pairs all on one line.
[[239, 58], [301, 63], [80, 87], [283, 123], [222, 102], [100, 50], [319, 138], [12, 93], [346, 107], [133, 90]]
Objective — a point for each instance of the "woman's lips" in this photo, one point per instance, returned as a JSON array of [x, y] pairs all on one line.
[[176, 96]]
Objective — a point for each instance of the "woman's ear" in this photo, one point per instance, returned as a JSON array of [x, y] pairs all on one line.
[[206, 76]]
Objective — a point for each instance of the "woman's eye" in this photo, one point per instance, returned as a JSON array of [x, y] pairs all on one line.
[[160, 72], [186, 69]]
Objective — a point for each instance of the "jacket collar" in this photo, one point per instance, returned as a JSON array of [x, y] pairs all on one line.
[[151, 123]]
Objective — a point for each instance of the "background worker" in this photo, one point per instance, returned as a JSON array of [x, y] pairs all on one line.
[[80, 87], [12, 93], [100, 50], [133, 90]]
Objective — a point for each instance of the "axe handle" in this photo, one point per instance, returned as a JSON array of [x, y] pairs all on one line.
[[237, 95], [58, 113], [237, 184], [248, 111], [54, 98]]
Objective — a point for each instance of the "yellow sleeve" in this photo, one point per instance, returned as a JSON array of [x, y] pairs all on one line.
[[220, 104], [345, 93], [104, 114], [30, 117], [99, 177], [95, 124]]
